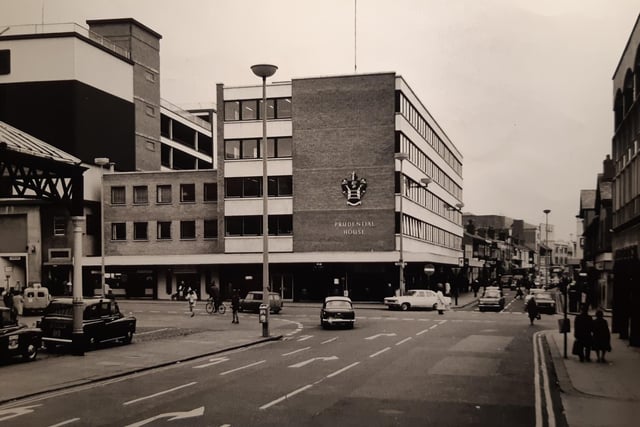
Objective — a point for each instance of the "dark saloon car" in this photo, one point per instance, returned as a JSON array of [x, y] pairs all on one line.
[[16, 339], [337, 311], [254, 298], [101, 322]]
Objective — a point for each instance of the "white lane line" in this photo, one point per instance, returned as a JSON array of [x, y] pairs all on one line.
[[296, 351], [64, 423], [433, 326], [380, 352], [152, 332], [339, 371], [214, 361], [551, 420], [286, 396], [403, 341], [329, 340], [536, 380], [155, 311], [305, 337], [422, 332], [242, 367], [159, 393]]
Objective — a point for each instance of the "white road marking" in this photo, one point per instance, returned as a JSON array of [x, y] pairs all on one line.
[[329, 340], [422, 332], [536, 380], [339, 371], [305, 337], [7, 414], [380, 352], [551, 420], [296, 351], [306, 362], [242, 367], [213, 361], [286, 396], [433, 326], [159, 393], [373, 337], [64, 423], [198, 412], [403, 341]]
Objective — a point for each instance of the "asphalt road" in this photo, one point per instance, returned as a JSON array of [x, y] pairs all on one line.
[[393, 369]]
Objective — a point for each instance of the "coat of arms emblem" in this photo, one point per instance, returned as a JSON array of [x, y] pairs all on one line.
[[353, 189]]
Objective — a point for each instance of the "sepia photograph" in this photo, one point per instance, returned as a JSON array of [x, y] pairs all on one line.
[[230, 213]]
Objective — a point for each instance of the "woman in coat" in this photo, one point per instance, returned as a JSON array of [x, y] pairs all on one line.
[[440, 302], [532, 309], [601, 339]]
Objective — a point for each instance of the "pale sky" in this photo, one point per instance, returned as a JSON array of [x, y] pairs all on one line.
[[523, 88]]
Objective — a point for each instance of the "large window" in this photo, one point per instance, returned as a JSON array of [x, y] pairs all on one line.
[[163, 194], [187, 192], [251, 109], [118, 231], [210, 192], [251, 186], [210, 228], [164, 230], [140, 231], [187, 230], [140, 195], [5, 61], [118, 195], [235, 149], [252, 225]]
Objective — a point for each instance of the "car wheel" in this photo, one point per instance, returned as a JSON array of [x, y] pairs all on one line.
[[129, 337], [404, 306], [435, 307], [30, 352]]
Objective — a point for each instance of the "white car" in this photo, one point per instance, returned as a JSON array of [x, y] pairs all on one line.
[[415, 298]]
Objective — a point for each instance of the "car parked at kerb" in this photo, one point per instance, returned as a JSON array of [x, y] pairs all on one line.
[[102, 322], [16, 339], [415, 298]]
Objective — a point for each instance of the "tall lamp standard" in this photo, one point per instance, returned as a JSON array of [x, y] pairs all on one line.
[[402, 157], [264, 71], [546, 243], [102, 162]]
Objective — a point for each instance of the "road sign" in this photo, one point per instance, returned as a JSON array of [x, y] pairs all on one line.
[[429, 269]]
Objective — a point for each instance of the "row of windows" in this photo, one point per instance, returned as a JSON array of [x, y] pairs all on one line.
[[412, 115], [251, 186], [425, 164], [251, 225], [250, 148], [164, 194], [421, 230], [164, 230], [422, 196], [251, 109]]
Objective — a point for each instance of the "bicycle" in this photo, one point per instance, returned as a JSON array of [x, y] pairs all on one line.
[[210, 308]]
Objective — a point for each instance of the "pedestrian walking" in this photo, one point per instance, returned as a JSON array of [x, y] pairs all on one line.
[[235, 305], [214, 292], [192, 298], [532, 310], [476, 288], [583, 331], [447, 289], [18, 302], [601, 336], [440, 302]]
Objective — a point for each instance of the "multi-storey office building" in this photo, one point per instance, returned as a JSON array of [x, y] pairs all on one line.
[[626, 191], [335, 214], [91, 92]]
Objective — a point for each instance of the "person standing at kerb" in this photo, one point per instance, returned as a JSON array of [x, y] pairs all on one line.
[[235, 305]]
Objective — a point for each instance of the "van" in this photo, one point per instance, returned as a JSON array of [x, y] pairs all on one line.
[[36, 298]]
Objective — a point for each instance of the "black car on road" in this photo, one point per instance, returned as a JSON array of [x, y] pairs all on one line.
[[17, 339], [253, 300], [102, 321], [337, 311]]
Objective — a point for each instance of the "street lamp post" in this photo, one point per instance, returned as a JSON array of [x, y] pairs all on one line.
[[102, 162], [263, 71], [402, 157], [546, 243]]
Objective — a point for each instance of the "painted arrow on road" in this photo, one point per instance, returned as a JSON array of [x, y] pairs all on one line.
[[373, 337], [306, 362], [171, 416], [7, 414]]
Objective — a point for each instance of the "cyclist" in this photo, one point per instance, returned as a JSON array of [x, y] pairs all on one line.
[[214, 293]]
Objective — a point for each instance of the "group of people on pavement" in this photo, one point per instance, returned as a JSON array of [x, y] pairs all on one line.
[[591, 334]]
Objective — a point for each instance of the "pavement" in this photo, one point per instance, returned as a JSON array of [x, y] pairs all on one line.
[[593, 394]]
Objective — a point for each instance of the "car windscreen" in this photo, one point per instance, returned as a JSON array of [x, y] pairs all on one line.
[[492, 294], [59, 309], [338, 305], [543, 296]]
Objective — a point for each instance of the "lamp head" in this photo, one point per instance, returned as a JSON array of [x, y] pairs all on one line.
[[401, 156], [264, 70], [101, 161], [547, 211], [426, 181]]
